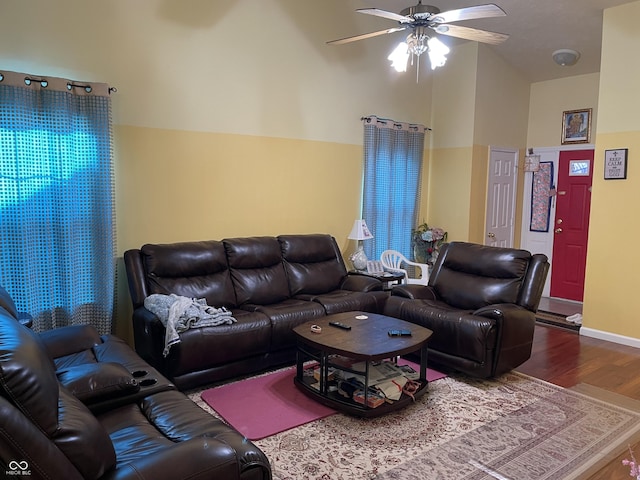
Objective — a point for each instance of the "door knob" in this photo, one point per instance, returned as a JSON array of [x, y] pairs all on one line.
[[559, 221], [558, 230], [491, 235]]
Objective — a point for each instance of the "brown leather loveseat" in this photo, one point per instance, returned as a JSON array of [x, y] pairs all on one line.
[[270, 285], [76, 405], [480, 304]]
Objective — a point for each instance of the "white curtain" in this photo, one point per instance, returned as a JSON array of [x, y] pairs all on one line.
[[393, 153], [57, 235]]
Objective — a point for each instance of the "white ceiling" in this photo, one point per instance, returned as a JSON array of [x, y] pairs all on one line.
[[536, 27]]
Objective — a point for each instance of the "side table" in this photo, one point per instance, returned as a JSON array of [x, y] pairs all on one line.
[[388, 279]]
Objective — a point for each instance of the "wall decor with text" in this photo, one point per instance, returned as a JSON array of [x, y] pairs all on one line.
[[615, 164]]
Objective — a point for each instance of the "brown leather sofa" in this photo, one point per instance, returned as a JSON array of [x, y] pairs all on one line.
[[480, 304], [75, 405], [270, 284]]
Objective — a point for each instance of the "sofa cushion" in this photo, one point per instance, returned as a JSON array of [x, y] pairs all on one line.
[[313, 263], [208, 347], [256, 270], [339, 301], [184, 441], [471, 276], [189, 269], [286, 315]]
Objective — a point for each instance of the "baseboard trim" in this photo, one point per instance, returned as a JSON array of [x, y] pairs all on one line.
[[610, 337]]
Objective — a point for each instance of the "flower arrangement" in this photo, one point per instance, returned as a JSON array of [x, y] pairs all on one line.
[[426, 242], [633, 465]]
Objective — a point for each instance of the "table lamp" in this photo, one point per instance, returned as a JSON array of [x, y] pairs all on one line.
[[359, 232]]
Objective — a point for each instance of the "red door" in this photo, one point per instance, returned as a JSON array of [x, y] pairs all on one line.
[[571, 226]]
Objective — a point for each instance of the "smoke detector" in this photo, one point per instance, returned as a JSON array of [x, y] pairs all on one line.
[[565, 57]]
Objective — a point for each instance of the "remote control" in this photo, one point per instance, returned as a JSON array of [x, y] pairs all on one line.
[[340, 325], [399, 333]]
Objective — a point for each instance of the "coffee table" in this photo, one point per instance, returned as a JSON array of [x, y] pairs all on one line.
[[367, 341]]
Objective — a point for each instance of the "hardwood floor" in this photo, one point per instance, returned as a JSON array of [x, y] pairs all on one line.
[[565, 358]]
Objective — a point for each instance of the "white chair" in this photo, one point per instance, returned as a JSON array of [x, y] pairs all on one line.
[[394, 261]]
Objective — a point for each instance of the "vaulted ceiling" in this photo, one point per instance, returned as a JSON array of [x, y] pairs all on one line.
[[536, 27]]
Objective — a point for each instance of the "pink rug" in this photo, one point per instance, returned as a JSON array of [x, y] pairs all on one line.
[[263, 406]]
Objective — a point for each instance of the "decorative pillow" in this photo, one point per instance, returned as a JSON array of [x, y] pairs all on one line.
[[93, 381]]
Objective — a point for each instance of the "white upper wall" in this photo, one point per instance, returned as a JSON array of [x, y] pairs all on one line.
[[549, 99], [454, 98], [228, 66], [502, 102]]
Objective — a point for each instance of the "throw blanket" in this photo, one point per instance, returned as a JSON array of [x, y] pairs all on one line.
[[179, 314]]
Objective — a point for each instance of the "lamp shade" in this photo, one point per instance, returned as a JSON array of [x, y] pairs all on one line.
[[360, 231]]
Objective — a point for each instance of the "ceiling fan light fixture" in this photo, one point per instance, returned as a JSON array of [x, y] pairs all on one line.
[[399, 57], [416, 45], [437, 53], [565, 57]]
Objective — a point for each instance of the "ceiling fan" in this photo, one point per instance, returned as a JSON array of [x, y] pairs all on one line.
[[423, 18]]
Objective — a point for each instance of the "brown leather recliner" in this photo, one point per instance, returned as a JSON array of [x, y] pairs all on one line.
[[480, 304], [48, 432], [101, 370]]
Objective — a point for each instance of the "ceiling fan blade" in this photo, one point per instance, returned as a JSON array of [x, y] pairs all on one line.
[[355, 38], [474, 34], [469, 13], [384, 14]]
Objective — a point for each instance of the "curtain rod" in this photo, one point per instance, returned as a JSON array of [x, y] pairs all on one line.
[[385, 121], [12, 77]]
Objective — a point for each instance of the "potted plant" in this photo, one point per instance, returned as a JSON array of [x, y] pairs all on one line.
[[426, 242]]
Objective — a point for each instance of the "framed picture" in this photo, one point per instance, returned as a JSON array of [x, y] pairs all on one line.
[[615, 164], [576, 126]]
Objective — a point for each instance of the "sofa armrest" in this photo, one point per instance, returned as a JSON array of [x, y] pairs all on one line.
[[91, 382], [360, 283], [199, 458], [148, 335], [64, 341], [414, 292], [505, 312], [135, 277], [516, 327]]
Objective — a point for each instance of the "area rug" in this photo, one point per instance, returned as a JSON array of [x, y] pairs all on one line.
[[264, 405], [514, 427]]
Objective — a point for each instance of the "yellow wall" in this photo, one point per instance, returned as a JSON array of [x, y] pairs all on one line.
[[613, 257], [502, 102], [178, 186], [449, 192]]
